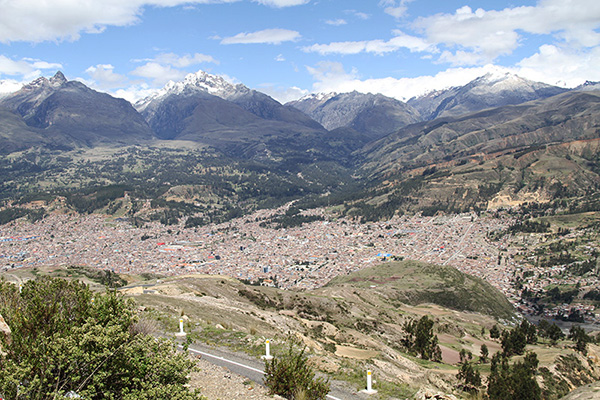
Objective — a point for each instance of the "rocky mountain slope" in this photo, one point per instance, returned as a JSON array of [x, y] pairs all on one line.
[[233, 118], [68, 113], [560, 119], [536, 151], [489, 91], [373, 115]]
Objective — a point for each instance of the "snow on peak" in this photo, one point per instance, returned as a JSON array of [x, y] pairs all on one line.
[[58, 79], [502, 81], [323, 97], [494, 77], [197, 82], [55, 82]]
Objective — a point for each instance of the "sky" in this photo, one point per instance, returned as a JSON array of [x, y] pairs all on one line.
[[291, 48]]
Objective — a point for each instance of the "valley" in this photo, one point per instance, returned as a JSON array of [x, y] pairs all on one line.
[[340, 221]]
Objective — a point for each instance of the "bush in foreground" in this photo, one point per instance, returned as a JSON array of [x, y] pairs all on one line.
[[290, 376], [66, 339]]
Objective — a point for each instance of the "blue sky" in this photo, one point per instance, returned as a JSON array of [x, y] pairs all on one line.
[[289, 48]]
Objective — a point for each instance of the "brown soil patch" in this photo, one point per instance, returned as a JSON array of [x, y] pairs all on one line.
[[352, 352]]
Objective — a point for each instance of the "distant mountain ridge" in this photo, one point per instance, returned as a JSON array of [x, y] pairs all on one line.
[[563, 118], [68, 113], [380, 150], [203, 85], [488, 91], [374, 115], [193, 83], [235, 119]]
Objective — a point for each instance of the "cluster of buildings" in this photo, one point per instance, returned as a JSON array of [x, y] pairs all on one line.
[[303, 257]]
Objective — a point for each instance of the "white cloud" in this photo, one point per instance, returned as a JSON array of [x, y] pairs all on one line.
[[280, 58], [489, 34], [328, 74], [183, 61], [395, 8], [331, 77], [43, 64], [401, 40], [282, 3], [283, 94], [26, 68], [134, 93], [396, 12], [267, 36], [561, 66], [336, 48], [358, 14], [37, 21], [8, 86], [169, 66], [104, 77], [336, 22], [158, 73], [463, 58]]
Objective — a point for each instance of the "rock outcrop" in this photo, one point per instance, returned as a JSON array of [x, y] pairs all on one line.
[[5, 331]]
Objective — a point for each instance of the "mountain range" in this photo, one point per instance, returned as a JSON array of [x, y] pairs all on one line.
[[371, 136], [67, 114], [373, 115], [232, 117], [489, 91], [241, 121]]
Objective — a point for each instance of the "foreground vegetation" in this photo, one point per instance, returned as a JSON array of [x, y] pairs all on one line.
[[336, 324], [67, 341]]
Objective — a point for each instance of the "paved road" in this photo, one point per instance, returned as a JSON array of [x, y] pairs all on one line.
[[251, 368]]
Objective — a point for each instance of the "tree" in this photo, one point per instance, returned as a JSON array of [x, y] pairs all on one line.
[[469, 377], [555, 334], [465, 355], [291, 376], [530, 331], [514, 342], [421, 339], [65, 338], [495, 332], [552, 332], [513, 382], [484, 353], [581, 339], [543, 327]]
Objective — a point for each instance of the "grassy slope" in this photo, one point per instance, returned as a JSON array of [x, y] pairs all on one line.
[[348, 325], [414, 283]]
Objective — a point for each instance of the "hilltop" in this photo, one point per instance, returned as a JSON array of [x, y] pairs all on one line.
[[415, 283]]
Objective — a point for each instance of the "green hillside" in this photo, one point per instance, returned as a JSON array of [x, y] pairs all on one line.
[[414, 283]]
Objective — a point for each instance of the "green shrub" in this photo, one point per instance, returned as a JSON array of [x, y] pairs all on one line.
[[290, 376], [66, 339]]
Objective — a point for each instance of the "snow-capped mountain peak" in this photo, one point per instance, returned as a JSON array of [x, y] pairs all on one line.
[[318, 96], [58, 79], [198, 82]]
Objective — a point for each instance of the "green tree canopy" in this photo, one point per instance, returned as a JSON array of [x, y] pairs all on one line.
[[67, 339], [421, 339], [508, 382]]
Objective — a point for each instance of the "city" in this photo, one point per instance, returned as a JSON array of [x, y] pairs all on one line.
[[304, 257]]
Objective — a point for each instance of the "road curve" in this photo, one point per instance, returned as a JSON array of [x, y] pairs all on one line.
[[252, 369]]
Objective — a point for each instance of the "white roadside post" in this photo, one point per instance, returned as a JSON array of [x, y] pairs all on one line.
[[20, 287], [267, 355], [181, 332], [369, 389]]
